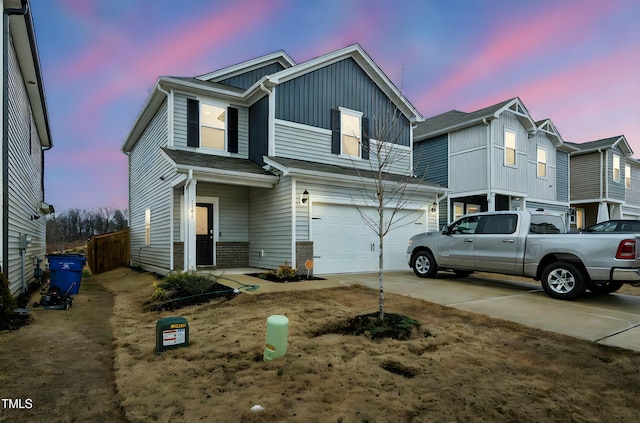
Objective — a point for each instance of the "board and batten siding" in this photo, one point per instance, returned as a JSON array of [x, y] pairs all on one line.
[[468, 160], [309, 98], [541, 188], [24, 180], [148, 191], [431, 160], [585, 176], [259, 130], [270, 225], [510, 178], [180, 125], [615, 190], [313, 144]]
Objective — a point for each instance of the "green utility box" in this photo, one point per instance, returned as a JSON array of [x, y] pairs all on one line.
[[171, 332]]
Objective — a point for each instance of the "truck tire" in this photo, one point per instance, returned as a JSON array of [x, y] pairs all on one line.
[[563, 281], [604, 287], [424, 265]]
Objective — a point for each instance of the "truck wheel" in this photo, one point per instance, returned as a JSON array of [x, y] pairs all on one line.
[[424, 265], [605, 287], [563, 281]]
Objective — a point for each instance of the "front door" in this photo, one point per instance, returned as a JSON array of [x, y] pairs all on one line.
[[204, 234]]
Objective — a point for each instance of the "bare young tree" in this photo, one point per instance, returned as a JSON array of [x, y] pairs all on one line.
[[388, 184]]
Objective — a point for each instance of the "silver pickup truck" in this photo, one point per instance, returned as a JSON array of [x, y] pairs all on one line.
[[529, 244]]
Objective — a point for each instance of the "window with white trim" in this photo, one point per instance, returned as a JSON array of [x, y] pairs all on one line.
[[542, 162], [351, 132], [616, 168], [580, 218], [212, 126], [627, 176], [509, 148]]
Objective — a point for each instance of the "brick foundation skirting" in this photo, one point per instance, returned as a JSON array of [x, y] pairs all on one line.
[[232, 254]]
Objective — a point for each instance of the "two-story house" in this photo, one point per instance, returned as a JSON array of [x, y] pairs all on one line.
[[270, 162], [495, 158], [25, 137], [602, 178]]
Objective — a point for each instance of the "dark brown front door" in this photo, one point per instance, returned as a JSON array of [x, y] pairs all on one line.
[[204, 234]]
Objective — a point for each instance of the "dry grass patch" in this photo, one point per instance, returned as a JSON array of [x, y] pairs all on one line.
[[469, 367]]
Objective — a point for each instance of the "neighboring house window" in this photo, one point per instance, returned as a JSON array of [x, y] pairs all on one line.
[[580, 218], [458, 210], [542, 162], [627, 176], [473, 208], [616, 168], [212, 126], [147, 227], [509, 148], [349, 133]]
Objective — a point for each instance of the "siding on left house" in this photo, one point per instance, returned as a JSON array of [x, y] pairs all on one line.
[[25, 182], [148, 191]]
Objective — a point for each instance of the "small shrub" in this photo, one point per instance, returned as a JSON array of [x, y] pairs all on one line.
[[286, 272], [184, 284]]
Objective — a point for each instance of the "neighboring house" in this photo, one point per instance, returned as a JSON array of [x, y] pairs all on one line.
[[263, 164], [25, 136], [496, 158], [604, 181]]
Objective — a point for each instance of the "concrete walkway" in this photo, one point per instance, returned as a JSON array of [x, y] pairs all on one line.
[[607, 319]]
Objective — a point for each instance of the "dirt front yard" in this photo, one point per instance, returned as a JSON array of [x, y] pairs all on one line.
[[97, 362]]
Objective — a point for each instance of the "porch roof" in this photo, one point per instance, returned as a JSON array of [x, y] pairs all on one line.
[[208, 165], [305, 168]]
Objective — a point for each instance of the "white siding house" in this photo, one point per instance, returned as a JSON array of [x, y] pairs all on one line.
[[25, 137], [496, 158], [266, 163]]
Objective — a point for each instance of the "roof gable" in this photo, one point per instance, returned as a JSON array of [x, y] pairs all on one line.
[[280, 57], [455, 120], [365, 62], [619, 141]]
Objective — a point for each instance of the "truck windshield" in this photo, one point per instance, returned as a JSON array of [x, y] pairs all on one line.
[[546, 224]]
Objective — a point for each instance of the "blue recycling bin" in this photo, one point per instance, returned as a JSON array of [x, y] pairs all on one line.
[[66, 271]]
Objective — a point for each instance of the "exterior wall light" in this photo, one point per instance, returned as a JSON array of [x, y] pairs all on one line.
[[305, 198]]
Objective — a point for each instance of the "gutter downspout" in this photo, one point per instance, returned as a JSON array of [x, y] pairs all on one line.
[[5, 130]]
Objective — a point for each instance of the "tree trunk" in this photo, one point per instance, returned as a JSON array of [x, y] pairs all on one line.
[[381, 261]]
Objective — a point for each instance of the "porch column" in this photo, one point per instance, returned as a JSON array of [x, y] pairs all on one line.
[[603, 212], [491, 202], [190, 227]]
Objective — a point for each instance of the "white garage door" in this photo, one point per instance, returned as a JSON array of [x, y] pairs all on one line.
[[343, 243]]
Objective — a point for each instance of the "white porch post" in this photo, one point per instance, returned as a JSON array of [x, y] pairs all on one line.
[[491, 202], [603, 212], [190, 227]]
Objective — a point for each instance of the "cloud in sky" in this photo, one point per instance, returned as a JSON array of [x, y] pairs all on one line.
[[574, 61]]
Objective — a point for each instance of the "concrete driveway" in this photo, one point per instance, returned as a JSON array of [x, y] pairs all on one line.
[[607, 319]]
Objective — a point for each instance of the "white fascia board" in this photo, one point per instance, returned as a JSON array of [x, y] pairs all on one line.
[[150, 107], [219, 92], [366, 63], [278, 57], [229, 177], [526, 115]]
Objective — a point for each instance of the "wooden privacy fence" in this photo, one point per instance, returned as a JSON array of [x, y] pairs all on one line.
[[108, 251]]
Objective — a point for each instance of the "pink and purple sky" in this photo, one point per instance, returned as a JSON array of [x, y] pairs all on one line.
[[576, 62]]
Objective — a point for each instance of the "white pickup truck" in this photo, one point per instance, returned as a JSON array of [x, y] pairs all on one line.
[[529, 244]]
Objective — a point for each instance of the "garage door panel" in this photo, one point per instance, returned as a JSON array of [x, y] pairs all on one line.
[[344, 243]]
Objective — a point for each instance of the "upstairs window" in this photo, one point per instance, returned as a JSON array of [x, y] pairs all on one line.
[[349, 133], [212, 126], [616, 168], [627, 176], [351, 129], [542, 162], [509, 148]]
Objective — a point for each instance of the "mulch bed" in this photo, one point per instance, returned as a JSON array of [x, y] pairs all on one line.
[[271, 277], [217, 290]]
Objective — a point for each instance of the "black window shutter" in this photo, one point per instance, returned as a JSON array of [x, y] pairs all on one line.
[[232, 128], [365, 138], [193, 123], [335, 131]]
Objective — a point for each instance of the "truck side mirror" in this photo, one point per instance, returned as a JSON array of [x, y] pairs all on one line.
[[445, 230]]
